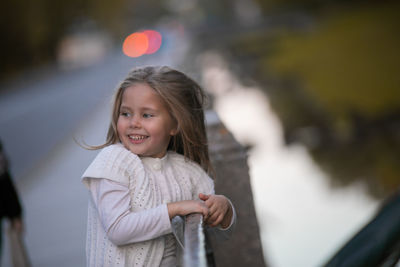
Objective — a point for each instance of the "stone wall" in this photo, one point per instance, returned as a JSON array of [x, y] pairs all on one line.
[[232, 180]]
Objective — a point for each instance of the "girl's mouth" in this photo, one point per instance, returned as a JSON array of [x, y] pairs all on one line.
[[137, 137]]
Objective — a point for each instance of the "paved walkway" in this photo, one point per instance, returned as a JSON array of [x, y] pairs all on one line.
[[55, 201]]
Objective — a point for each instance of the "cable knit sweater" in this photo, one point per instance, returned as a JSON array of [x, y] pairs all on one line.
[[183, 179]]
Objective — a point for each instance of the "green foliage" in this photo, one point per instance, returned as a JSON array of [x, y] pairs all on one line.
[[349, 63]]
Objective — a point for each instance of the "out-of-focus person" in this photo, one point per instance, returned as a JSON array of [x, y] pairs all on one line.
[[10, 205]]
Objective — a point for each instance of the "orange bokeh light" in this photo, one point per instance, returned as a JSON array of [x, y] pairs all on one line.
[[135, 44], [140, 43]]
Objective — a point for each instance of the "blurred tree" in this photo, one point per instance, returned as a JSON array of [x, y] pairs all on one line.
[[31, 29]]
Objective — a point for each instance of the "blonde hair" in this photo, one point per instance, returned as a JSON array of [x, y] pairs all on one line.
[[184, 99]]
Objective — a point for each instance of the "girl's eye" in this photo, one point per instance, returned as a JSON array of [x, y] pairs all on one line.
[[125, 114], [147, 115]]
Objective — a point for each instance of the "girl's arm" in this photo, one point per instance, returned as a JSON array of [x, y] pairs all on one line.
[[112, 200], [122, 226], [186, 207]]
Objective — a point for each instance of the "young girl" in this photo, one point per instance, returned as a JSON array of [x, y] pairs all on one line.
[[152, 168]]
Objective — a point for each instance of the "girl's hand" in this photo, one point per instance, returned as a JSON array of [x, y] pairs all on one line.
[[186, 207], [220, 210]]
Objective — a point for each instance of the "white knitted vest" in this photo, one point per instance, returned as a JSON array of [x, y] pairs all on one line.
[[119, 164]]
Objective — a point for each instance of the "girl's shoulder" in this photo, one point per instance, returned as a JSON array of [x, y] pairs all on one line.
[[114, 162], [116, 154]]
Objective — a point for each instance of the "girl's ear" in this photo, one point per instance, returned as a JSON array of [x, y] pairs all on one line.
[[174, 131]]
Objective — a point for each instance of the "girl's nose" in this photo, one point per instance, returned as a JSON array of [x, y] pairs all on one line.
[[135, 122]]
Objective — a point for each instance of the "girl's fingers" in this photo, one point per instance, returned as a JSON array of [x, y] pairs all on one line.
[[204, 210], [212, 218], [207, 216], [206, 213], [217, 221], [212, 210], [204, 197]]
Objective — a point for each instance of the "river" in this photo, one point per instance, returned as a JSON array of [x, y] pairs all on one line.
[[303, 220]]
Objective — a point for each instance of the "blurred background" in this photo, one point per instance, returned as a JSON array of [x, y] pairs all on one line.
[[310, 88]]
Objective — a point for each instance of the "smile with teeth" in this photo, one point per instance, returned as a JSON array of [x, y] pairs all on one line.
[[137, 137]]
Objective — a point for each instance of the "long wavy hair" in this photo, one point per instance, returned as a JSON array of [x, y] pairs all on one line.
[[184, 99]]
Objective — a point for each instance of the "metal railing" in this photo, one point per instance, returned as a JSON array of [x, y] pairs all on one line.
[[194, 253]]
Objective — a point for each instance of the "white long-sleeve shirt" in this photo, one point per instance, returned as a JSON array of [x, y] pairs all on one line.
[[123, 226], [128, 200]]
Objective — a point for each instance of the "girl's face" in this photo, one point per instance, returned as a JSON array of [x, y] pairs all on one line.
[[144, 124]]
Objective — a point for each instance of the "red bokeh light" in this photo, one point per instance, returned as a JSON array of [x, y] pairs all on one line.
[[155, 40]]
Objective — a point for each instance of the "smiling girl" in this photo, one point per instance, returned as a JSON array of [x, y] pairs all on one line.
[[152, 167]]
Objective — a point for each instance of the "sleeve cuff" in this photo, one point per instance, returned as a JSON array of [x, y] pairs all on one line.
[[233, 219]]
